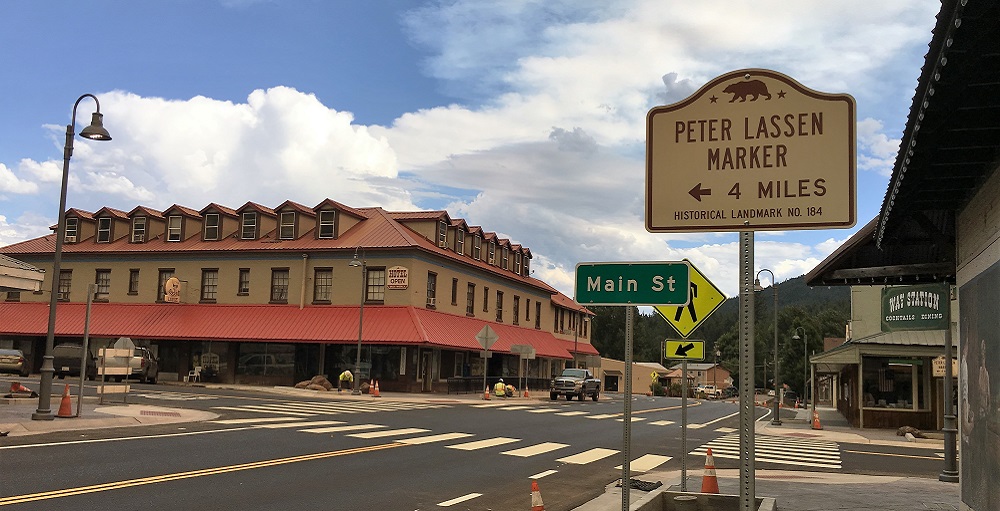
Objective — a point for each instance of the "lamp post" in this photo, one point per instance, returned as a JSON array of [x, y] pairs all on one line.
[[776, 420], [805, 361], [95, 131], [576, 332], [715, 370], [363, 263]]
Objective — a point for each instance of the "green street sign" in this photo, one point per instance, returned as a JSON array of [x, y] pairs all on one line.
[[921, 307], [634, 283]]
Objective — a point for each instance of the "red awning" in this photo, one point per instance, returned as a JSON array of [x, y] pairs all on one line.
[[277, 323]]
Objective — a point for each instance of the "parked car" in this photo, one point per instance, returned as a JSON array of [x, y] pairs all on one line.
[[66, 361], [709, 391], [13, 361], [575, 382], [145, 367]]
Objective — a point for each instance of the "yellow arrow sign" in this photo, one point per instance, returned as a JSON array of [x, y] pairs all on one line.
[[704, 300], [683, 350]]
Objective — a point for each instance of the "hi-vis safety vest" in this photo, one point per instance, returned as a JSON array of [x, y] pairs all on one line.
[[500, 389]]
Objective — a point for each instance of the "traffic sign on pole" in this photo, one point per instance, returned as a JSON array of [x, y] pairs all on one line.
[[633, 283], [705, 299], [674, 349]]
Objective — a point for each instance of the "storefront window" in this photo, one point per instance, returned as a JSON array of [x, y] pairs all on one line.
[[894, 383]]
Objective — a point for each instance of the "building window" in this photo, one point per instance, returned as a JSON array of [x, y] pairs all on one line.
[[322, 285], [104, 230], [279, 285], [506, 253], [13, 296], [442, 234], [527, 309], [470, 298], [516, 312], [65, 282], [493, 253], [431, 289], [375, 288], [526, 272], [248, 231], [161, 283], [139, 229], [486, 299], [460, 241], [72, 225], [243, 287], [286, 228], [174, 223], [328, 224], [103, 285], [209, 284], [538, 315], [211, 226], [585, 327], [499, 306], [555, 321], [517, 263], [133, 281], [477, 247]]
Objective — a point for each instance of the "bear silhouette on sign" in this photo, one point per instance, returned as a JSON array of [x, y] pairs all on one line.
[[741, 90]]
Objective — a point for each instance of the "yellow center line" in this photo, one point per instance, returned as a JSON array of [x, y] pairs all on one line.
[[19, 499], [896, 455]]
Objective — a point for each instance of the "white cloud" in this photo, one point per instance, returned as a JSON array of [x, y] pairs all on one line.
[[10, 183], [881, 150]]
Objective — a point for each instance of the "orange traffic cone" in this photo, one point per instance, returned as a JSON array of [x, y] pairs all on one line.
[[536, 498], [377, 393], [526, 392], [709, 483], [486, 394], [816, 424], [66, 406]]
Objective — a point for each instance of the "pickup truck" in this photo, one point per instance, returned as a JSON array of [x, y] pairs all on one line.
[[709, 390], [575, 382]]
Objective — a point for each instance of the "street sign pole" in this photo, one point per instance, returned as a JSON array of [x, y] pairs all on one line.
[[684, 425], [627, 430], [747, 490]]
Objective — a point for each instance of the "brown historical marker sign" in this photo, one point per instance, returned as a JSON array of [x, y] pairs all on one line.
[[752, 150]]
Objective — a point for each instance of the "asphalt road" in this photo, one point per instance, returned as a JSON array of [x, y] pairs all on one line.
[[272, 452]]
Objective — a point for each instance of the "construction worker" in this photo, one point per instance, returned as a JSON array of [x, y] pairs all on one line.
[[500, 390], [345, 376]]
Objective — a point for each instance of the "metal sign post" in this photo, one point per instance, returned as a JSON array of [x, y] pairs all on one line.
[[684, 424], [747, 490], [627, 430]]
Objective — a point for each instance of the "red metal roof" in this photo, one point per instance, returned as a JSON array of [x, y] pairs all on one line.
[[276, 323]]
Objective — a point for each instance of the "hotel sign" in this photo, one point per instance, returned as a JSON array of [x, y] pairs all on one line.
[[752, 150], [398, 277], [924, 307]]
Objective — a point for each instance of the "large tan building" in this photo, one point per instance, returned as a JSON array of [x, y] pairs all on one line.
[[273, 296]]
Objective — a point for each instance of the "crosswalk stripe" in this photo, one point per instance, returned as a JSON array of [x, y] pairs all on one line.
[[661, 423], [725, 430], [571, 414], [603, 416], [536, 449], [482, 444], [256, 420], [300, 424], [512, 408], [388, 432], [489, 405], [634, 419], [459, 500], [543, 474], [695, 426], [261, 410], [588, 456], [433, 438], [339, 429], [646, 462], [542, 410]]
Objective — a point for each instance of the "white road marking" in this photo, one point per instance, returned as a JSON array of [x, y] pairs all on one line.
[[726, 430], [588, 456], [518, 407], [338, 429], [661, 423], [542, 410], [571, 414], [634, 419], [458, 500], [543, 474], [256, 420], [604, 416], [646, 462], [482, 444], [533, 450], [261, 409], [300, 424], [433, 438], [388, 432]]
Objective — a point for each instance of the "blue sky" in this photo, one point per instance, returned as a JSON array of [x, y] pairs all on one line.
[[525, 117]]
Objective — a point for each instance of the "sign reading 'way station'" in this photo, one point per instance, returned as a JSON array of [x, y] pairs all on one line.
[[751, 150], [634, 283]]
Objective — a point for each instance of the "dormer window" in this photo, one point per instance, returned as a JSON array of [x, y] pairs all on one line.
[[211, 226], [527, 272], [460, 241], [442, 234], [328, 224], [248, 231], [506, 253], [517, 263], [174, 223], [71, 229], [493, 253], [104, 230], [139, 229], [477, 247], [286, 229]]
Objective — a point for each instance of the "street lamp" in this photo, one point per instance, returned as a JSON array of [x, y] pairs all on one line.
[[776, 421], [363, 263], [95, 131], [715, 370], [576, 332], [805, 361]]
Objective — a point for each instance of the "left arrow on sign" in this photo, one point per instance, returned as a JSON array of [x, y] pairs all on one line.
[[698, 191], [682, 351]]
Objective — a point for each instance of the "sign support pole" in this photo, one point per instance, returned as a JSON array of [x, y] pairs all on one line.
[[747, 490], [684, 424], [950, 472], [627, 430]]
